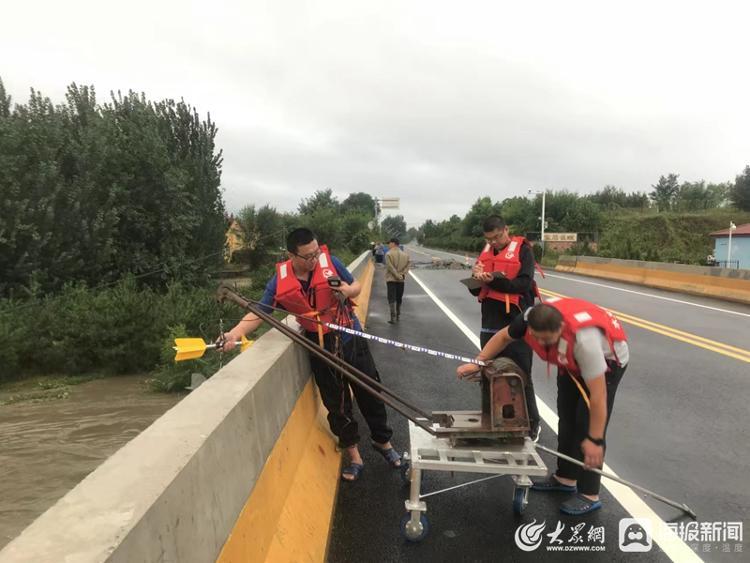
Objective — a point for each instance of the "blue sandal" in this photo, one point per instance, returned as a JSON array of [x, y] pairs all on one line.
[[579, 505], [354, 469], [390, 455], [552, 485]]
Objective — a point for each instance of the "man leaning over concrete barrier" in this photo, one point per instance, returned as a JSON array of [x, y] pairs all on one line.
[[301, 286]]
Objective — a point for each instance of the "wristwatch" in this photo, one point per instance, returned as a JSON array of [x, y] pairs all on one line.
[[597, 441]]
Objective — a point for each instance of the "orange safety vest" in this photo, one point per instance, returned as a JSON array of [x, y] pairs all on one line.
[[319, 305], [508, 262], [577, 314]]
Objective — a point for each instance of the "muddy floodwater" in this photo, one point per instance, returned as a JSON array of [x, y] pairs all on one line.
[[47, 447]]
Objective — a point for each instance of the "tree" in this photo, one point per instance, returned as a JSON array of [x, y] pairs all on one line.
[[740, 193], [90, 192], [327, 224], [718, 194], [519, 213], [584, 216], [355, 233], [482, 208], [320, 200], [665, 191], [559, 206], [264, 234], [637, 200], [393, 226], [698, 196], [691, 196], [359, 202], [4, 101], [610, 197], [427, 231]]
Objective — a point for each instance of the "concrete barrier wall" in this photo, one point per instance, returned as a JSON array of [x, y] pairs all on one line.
[[722, 283], [288, 515], [175, 492]]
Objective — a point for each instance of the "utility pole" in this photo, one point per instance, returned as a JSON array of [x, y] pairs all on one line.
[[732, 227], [544, 206]]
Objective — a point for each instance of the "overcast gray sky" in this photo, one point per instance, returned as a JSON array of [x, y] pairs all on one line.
[[435, 102]]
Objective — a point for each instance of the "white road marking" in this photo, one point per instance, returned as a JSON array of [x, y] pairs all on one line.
[[673, 547], [465, 329], [643, 293]]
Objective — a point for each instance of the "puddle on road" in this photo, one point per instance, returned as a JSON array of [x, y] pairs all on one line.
[[47, 447]]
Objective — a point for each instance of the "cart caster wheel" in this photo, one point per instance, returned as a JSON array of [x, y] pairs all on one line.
[[520, 500], [412, 532], [406, 472]]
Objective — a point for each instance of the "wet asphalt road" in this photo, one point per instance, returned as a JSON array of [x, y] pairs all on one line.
[[680, 426]]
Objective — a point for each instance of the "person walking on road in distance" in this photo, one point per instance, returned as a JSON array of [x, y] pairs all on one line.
[[506, 269], [301, 286], [590, 348], [396, 268], [379, 253]]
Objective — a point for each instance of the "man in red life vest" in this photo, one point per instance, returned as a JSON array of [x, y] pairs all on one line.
[[301, 287], [590, 348], [506, 269]]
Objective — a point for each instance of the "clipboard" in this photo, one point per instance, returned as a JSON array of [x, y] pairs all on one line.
[[473, 283]]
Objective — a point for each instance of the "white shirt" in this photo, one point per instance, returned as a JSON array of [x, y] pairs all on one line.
[[592, 351]]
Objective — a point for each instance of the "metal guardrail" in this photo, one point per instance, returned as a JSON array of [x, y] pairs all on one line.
[[726, 264]]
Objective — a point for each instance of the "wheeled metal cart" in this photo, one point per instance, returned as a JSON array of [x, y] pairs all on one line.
[[431, 453]]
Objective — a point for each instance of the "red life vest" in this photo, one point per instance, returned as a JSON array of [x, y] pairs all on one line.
[[319, 304], [577, 314], [507, 261]]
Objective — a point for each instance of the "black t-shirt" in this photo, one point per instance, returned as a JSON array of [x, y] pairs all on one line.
[[494, 315], [517, 327]]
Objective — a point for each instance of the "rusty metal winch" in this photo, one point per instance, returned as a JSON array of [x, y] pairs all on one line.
[[504, 416]]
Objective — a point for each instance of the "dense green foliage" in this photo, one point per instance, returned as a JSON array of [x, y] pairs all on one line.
[[119, 329], [565, 211], [740, 192], [111, 224], [665, 237], [394, 226], [91, 192], [623, 225], [343, 226]]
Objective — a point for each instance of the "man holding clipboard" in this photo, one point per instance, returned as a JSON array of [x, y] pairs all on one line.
[[503, 280]]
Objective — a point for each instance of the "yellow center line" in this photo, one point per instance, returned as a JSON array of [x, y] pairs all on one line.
[[687, 337], [669, 328]]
